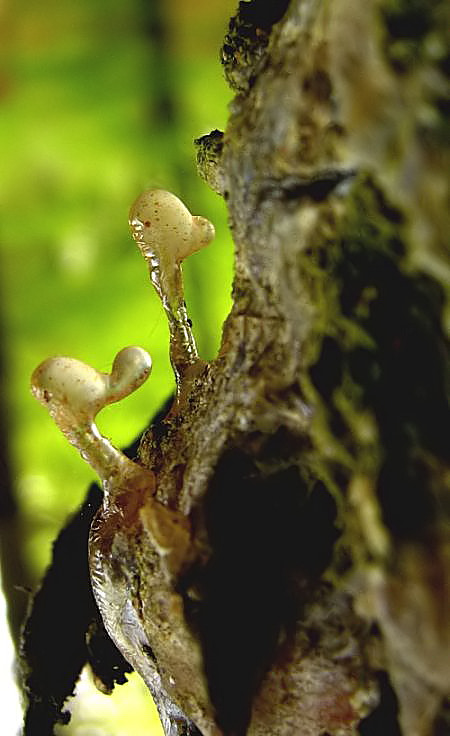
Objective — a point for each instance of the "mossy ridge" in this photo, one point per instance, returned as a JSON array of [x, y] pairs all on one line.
[[378, 377]]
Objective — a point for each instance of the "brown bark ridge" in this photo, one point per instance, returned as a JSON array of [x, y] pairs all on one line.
[[307, 591]]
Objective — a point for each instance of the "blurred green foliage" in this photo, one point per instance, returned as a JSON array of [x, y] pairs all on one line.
[[98, 100]]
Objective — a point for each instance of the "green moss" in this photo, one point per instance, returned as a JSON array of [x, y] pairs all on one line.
[[378, 376]]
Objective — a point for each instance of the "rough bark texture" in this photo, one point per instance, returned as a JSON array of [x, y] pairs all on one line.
[[311, 457]]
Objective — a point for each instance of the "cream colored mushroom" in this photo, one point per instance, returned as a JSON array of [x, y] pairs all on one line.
[[166, 234], [74, 392], [164, 228]]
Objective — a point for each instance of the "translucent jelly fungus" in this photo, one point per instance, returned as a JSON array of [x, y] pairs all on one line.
[[166, 233], [139, 544], [74, 392]]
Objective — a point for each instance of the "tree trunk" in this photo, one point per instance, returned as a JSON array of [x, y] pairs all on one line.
[[309, 592]]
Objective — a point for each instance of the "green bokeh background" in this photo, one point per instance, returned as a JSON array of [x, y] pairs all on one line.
[[98, 100]]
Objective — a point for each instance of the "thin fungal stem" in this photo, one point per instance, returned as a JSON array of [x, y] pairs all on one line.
[[166, 233], [168, 283], [74, 392]]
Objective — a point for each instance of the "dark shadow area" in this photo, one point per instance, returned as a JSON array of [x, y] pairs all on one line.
[[400, 372], [271, 538], [383, 721], [441, 726], [64, 630]]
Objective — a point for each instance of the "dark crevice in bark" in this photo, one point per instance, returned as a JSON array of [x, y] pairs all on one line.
[[263, 560], [317, 188], [384, 718]]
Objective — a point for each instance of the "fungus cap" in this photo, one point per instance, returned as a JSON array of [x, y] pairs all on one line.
[[70, 382], [63, 382], [162, 224]]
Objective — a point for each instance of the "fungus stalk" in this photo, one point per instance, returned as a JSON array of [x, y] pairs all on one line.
[[166, 233], [74, 392]]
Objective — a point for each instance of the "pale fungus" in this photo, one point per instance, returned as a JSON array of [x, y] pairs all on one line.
[[166, 234], [131, 517], [74, 392], [164, 228]]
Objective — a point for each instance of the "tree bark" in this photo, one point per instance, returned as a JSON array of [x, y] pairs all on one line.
[[310, 459]]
